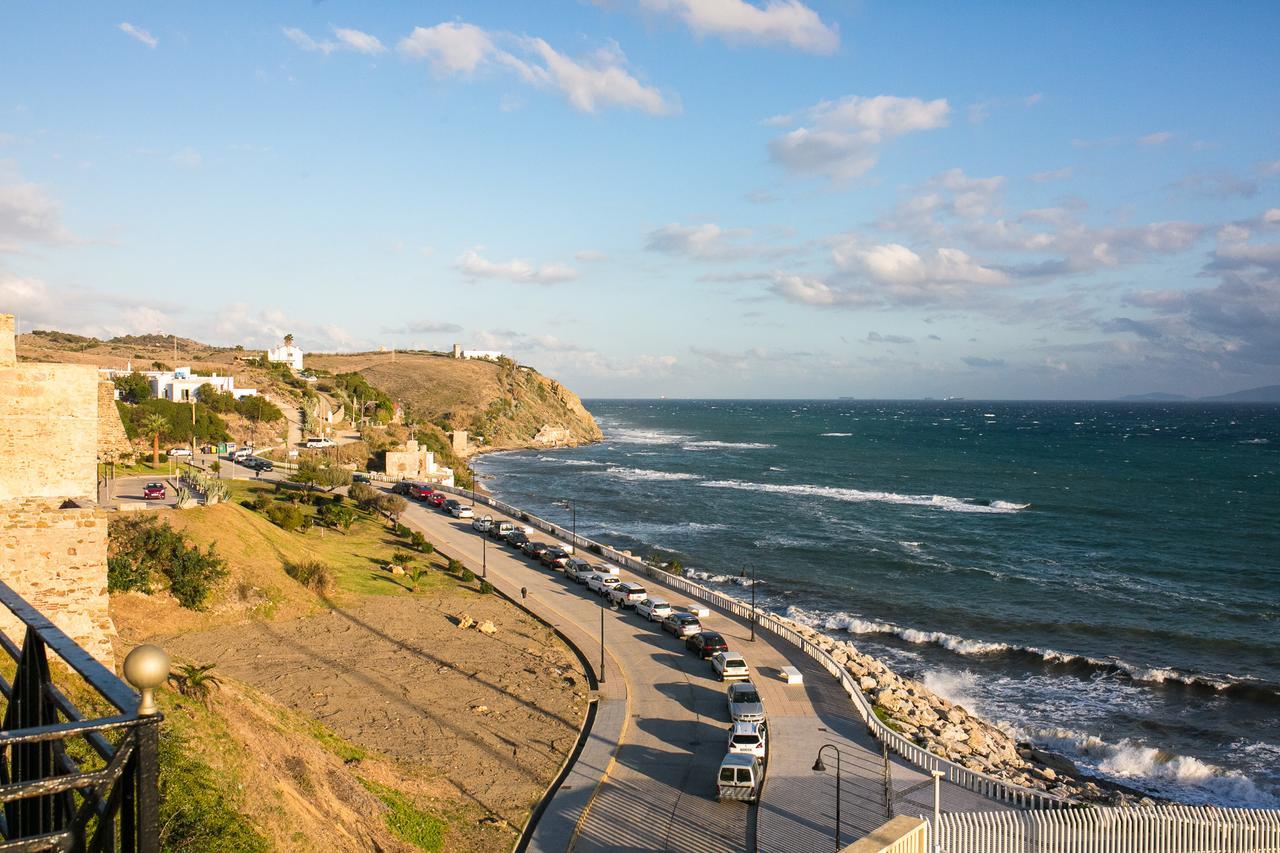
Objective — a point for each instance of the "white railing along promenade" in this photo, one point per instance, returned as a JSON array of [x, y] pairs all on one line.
[[1151, 829], [982, 783], [902, 834]]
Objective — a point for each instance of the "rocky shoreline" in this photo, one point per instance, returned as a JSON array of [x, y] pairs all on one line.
[[949, 730]]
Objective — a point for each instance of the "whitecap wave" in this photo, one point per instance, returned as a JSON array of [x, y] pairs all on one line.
[[942, 502], [727, 445], [836, 434], [634, 435], [710, 577], [635, 474], [1256, 441], [562, 461]]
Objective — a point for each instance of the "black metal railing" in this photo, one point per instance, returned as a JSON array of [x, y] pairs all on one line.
[[72, 780]]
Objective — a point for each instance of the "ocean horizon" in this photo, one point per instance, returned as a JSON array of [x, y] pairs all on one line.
[[1100, 578]]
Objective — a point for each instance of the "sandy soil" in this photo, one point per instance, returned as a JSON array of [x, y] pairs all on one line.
[[494, 716]]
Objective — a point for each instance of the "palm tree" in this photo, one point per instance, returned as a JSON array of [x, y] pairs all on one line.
[[155, 425], [196, 681], [288, 340]]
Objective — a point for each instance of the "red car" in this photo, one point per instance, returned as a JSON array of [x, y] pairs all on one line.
[[421, 492], [436, 499], [153, 492]]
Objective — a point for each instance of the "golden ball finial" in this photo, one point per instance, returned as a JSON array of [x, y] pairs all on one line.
[[146, 668]]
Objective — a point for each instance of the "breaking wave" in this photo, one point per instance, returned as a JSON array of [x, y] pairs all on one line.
[[943, 502], [646, 474], [631, 435], [561, 460], [836, 434], [1083, 663], [710, 577], [727, 445]]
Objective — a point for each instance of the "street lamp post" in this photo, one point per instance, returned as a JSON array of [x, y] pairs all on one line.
[[753, 599], [602, 641], [484, 556], [819, 767]]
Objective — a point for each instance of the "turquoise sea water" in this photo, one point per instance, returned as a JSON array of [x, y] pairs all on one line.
[[1102, 578]]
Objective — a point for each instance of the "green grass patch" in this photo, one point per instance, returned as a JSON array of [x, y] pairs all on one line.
[[334, 743], [408, 822], [883, 716]]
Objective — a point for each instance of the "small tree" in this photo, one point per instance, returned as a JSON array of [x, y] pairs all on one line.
[[332, 478], [307, 473], [155, 425], [196, 681], [337, 515], [363, 494], [393, 506], [133, 388], [215, 467]]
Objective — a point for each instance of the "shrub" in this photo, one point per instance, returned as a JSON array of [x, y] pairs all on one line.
[[417, 539], [285, 516], [261, 503], [364, 494], [312, 574], [467, 575], [337, 498], [486, 587], [142, 547], [196, 681], [455, 566], [401, 530], [336, 516]]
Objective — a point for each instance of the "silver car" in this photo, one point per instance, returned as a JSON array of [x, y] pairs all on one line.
[[653, 609], [744, 703]]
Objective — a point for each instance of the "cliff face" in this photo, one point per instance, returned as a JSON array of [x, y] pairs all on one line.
[[501, 405]]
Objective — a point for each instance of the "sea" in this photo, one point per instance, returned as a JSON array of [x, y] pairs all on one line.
[[1100, 579]]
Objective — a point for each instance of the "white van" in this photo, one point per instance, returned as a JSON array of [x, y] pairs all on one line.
[[740, 777]]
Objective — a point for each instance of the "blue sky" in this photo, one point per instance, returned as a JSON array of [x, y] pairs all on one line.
[[663, 197]]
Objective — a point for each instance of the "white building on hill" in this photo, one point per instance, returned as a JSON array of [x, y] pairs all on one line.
[[486, 354], [180, 385], [286, 353]]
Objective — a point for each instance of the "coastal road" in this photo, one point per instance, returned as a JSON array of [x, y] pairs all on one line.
[[659, 792]]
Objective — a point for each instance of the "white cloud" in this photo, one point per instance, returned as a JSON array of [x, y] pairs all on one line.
[[877, 338], [27, 213], [1157, 138], [473, 264], [347, 39], [841, 139], [981, 111], [1053, 175], [709, 242], [138, 33], [590, 256], [814, 291], [590, 83], [358, 41], [785, 22]]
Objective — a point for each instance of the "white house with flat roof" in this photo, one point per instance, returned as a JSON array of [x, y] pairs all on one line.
[[486, 354], [286, 353], [180, 385]]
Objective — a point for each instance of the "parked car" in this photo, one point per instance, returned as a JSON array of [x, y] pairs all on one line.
[[573, 565], [501, 529], [653, 609], [179, 451], [241, 455], [739, 777], [749, 739], [705, 644], [554, 557], [462, 511], [516, 539], [359, 477], [421, 491], [744, 703], [600, 584], [437, 499], [730, 666], [534, 549], [448, 505], [265, 465], [583, 573], [627, 594], [401, 487], [153, 492], [316, 441], [483, 523], [681, 624]]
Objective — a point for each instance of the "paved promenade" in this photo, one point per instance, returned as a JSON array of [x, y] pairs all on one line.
[[663, 722]]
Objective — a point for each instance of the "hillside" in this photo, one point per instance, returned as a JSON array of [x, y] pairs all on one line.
[[1261, 394], [501, 405]]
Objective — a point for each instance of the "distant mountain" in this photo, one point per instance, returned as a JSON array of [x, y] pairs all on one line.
[[1261, 394], [1154, 397]]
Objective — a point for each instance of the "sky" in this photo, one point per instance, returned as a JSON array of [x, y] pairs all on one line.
[[683, 198]]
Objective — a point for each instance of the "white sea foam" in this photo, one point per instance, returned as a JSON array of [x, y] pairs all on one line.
[[836, 434], [1256, 441], [1183, 777], [633, 435], [942, 502], [710, 577], [563, 461], [636, 474], [957, 687], [727, 445]]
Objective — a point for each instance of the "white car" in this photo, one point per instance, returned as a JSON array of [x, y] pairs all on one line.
[[730, 666], [584, 573], [600, 584], [749, 739], [319, 442], [179, 451], [573, 565], [744, 703], [463, 511], [653, 609], [627, 594]]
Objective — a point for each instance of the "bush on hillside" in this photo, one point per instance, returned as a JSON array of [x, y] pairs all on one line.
[[142, 548], [133, 388], [208, 429], [285, 516], [467, 576], [363, 494], [336, 516], [312, 574]]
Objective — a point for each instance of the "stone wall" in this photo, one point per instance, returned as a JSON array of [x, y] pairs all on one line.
[[411, 463], [113, 444], [56, 559], [48, 430]]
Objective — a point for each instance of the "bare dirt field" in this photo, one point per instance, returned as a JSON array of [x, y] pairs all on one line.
[[492, 717]]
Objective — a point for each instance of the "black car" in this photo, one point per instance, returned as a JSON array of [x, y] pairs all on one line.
[[705, 644], [534, 549], [401, 488], [264, 465], [516, 539], [359, 477], [554, 558], [449, 505]]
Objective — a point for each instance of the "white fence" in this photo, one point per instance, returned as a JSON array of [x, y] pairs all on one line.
[[981, 783], [1155, 829]]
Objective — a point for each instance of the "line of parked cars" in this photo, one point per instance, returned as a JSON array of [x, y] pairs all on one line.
[[741, 772], [433, 498]]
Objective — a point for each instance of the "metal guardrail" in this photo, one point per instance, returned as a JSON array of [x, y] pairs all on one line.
[[69, 782], [985, 784]]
